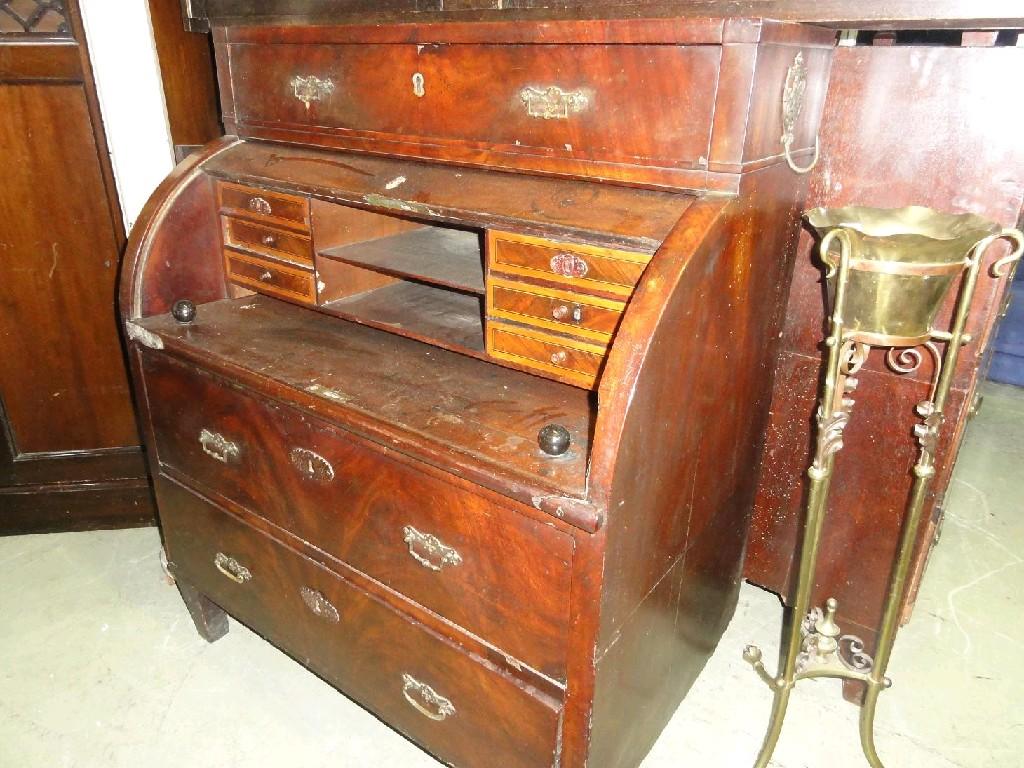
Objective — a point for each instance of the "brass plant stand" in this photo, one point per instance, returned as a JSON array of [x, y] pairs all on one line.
[[889, 272]]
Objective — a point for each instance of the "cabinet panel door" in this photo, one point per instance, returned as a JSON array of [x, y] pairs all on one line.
[[69, 444]]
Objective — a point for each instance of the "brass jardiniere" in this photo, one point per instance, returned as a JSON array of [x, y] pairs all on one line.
[[889, 272]]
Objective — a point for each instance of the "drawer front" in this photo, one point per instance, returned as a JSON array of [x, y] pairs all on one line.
[[502, 576], [269, 277], [273, 207], [463, 711], [584, 268], [563, 101], [271, 241], [582, 315], [575, 362]]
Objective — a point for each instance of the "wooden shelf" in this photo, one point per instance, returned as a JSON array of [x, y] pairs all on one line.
[[414, 395], [424, 312], [438, 255]]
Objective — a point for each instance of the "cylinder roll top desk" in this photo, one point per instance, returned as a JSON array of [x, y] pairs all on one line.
[[454, 360]]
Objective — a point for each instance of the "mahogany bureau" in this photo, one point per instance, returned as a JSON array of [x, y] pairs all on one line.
[[454, 361]]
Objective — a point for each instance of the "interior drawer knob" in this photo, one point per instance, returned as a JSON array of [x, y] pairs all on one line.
[[565, 312], [559, 357], [267, 276], [429, 551], [569, 265], [270, 241], [425, 699], [259, 205], [231, 568], [554, 439]]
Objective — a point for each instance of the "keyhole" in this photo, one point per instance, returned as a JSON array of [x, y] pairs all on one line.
[[417, 85]]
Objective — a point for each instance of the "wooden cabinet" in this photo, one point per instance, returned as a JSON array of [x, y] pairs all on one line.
[[416, 278], [69, 444]]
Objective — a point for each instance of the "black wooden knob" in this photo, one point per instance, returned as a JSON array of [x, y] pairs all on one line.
[[184, 311], [554, 439]]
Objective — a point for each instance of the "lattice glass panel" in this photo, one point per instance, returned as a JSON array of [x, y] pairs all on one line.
[[43, 18]]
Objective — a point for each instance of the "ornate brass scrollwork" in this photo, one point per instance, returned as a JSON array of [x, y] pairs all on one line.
[[425, 699], [310, 88], [793, 95], [312, 465], [319, 605], [219, 447], [231, 568], [552, 103], [429, 551]]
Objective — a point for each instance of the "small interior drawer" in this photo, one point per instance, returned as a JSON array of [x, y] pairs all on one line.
[[583, 267], [284, 209], [582, 315], [459, 709], [270, 277], [575, 362], [278, 243]]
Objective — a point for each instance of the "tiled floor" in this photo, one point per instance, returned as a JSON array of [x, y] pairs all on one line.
[[100, 665]]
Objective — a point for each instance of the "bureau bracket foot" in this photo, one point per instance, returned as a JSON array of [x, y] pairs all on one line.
[[210, 619]]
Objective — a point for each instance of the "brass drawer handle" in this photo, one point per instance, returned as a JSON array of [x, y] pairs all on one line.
[[559, 357], [552, 103], [267, 276], [311, 465], [219, 447], [270, 241], [435, 706], [319, 604], [569, 265], [231, 568], [564, 312], [311, 88], [259, 205], [435, 553]]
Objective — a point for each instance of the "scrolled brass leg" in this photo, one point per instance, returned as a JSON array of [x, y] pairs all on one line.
[[867, 725], [771, 738]]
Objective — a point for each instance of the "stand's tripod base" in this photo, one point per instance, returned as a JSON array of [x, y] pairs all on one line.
[[824, 652]]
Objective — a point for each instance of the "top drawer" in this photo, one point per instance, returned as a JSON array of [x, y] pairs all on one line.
[[582, 102]]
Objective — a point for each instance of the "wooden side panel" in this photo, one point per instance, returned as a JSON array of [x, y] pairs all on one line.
[[186, 69], [902, 125], [692, 434]]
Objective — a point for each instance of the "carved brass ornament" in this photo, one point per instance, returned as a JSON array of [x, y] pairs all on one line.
[[425, 699], [794, 93], [311, 465], [889, 272], [319, 604], [219, 447], [310, 88], [429, 551], [552, 103], [231, 568]]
